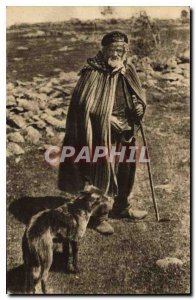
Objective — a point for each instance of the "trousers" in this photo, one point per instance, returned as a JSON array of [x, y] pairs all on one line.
[[125, 174]]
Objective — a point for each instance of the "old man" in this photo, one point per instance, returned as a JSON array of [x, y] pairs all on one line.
[[105, 110]]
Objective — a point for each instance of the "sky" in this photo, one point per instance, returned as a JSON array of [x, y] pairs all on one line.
[[34, 14]]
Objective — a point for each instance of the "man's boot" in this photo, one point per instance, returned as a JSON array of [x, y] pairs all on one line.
[[105, 228], [101, 222], [134, 214]]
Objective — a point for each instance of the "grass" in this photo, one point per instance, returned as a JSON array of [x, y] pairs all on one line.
[[123, 263]]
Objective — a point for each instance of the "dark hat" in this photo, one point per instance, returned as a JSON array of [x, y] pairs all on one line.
[[114, 36]]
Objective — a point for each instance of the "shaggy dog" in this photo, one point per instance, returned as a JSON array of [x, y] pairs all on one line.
[[67, 222]]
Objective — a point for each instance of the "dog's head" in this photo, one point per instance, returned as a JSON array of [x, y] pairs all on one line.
[[92, 198]]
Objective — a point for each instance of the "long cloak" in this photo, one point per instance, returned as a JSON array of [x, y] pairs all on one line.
[[88, 123]]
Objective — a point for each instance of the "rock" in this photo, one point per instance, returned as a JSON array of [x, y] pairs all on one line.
[[171, 63], [46, 90], [10, 86], [42, 97], [22, 48], [11, 101], [16, 121], [177, 42], [18, 58], [33, 135], [157, 95], [28, 105], [15, 137], [60, 138], [56, 112], [168, 262], [49, 132], [166, 187], [65, 48], [16, 109], [57, 94], [142, 76], [14, 149], [38, 33], [172, 76], [57, 70], [40, 124], [22, 83], [17, 160], [151, 82], [73, 40], [53, 121], [170, 89], [41, 75], [68, 77], [185, 56], [38, 79], [55, 103], [184, 66]]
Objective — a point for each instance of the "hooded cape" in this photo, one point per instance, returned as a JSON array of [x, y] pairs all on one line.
[[88, 122]]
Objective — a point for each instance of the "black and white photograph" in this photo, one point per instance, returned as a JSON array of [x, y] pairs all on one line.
[[98, 150]]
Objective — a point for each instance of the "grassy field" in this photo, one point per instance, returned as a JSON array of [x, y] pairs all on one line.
[[123, 263]]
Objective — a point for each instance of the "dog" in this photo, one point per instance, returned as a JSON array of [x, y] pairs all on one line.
[[67, 223]]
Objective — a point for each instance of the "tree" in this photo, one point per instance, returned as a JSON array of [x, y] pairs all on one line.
[[146, 33]]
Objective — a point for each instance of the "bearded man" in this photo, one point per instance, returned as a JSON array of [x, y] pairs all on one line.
[[105, 110]]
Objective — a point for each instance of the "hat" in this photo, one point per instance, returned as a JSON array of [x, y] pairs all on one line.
[[114, 36]]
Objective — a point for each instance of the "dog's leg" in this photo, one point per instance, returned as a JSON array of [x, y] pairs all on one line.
[[43, 286], [66, 253], [74, 245], [46, 265]]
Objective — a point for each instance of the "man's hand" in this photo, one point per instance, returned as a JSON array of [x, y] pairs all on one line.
[[138, 108], [139, 111]]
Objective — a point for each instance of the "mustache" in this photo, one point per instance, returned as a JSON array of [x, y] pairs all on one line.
[[115, 62]]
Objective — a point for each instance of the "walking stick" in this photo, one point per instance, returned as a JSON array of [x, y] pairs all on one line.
[[150, 177]]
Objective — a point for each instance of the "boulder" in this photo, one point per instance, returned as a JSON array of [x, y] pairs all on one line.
[[55, 103], [22, 48], [18, 58], [171, 76], [28, 105], [169, 262], [185, 56], [60, 138], [40, 124], [16, 121], [14, 149], [15, 137], [68, 77], [11, 101], [157, 95], [10, 86], [185, 66], [168, 188], [33, 135], [49, 132], [42, 97], [171, 63], [47, 89], [65, 48], [28, 115], [53, 121], [57, 70]]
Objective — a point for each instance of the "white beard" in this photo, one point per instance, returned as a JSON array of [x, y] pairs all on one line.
[[116, 63]]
